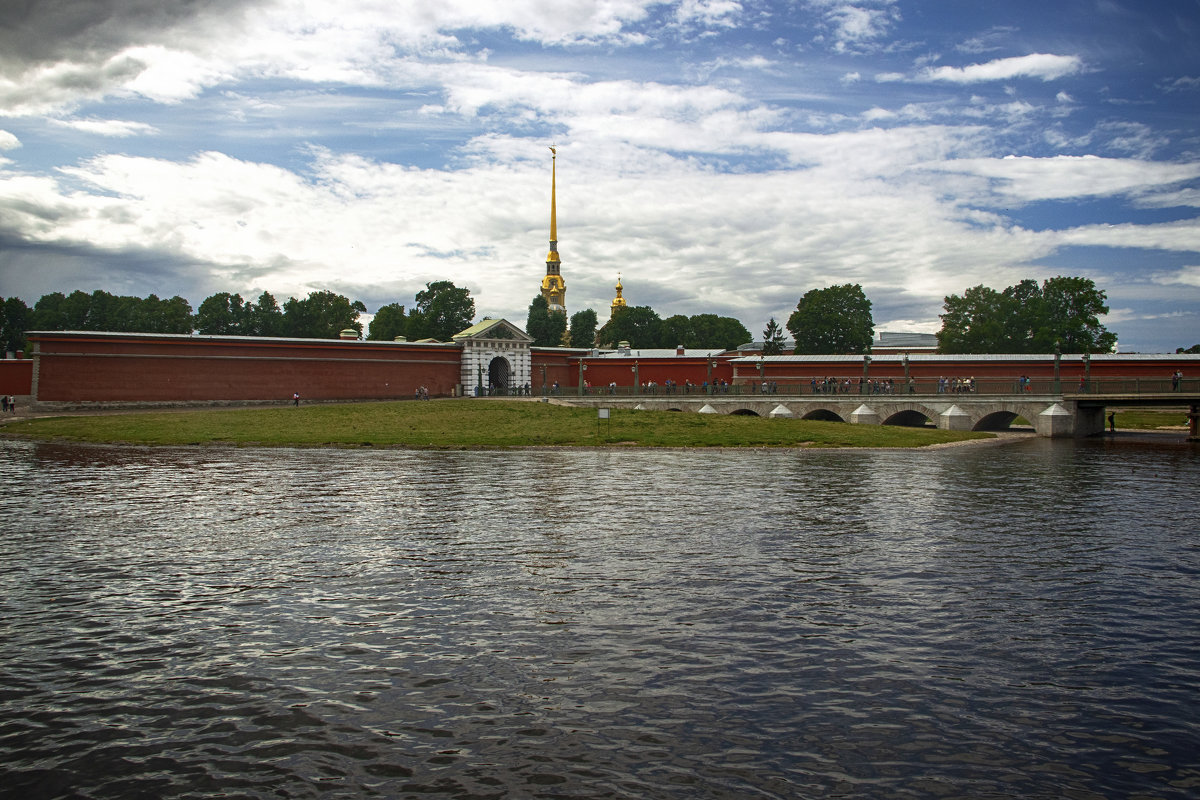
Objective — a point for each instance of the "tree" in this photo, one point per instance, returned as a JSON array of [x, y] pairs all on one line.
[[442, 310], [264, 317], [832, 321], [222, 314], [321, 315], [389, 322], [1193, 349], [173, 315], [583, 328], [15, 317], [772, 339], [976, 322], [712, 332], [638, 325], [1071, 310], [675, 330], [1062, 313], [546, 327]]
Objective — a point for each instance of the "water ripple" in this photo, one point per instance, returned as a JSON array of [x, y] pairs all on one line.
[[998, 622]]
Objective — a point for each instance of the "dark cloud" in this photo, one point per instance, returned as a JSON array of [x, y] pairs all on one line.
[[37, 32], [30, 270]]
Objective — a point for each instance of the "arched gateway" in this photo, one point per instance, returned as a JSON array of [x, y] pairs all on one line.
[[495, 357]]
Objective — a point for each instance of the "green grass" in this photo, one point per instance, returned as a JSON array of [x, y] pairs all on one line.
[[455, 424], [1149, 418]]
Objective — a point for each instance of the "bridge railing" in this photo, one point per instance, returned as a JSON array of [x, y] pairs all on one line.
[[843, 386]]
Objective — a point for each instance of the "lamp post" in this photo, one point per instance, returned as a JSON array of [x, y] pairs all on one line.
[[1087, 372], [543, 379], [907, 385], [761, 375], [710, 364], [637, 387], [862, 387], [1057, 359], [479, 380], [582, 369]]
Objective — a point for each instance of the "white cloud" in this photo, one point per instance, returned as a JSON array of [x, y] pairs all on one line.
[[718, 13], [8, 141], [1042, 66], [1186, 276], [1025, 179], [1182, 236], [107, 127], [856, 24]]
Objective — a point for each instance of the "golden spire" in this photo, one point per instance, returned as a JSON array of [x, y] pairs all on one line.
[[554, 289], [553, 223]]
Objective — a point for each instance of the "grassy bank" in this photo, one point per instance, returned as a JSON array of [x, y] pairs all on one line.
[[1150, 418], [467, 424]]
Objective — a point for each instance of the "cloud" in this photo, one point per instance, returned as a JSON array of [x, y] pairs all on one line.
[[1041, 66], [1028, 179], [56, 54], [856, 24], [1184, 84], [107, 127], [8, 141], [1186, 276]]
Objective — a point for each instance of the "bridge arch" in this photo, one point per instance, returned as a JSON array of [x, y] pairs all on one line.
[[996, 421], [823, 415], [908, 418], [744, 412]]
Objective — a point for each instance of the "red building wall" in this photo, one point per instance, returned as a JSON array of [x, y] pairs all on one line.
[[551, 364], [16, 376], [134, 368]]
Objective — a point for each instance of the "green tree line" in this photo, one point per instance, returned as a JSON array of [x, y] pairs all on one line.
[[441, 310], [1061, 312]]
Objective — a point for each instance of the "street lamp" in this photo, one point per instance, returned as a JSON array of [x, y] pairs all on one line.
[[710, 364], [543, 379], [1057, 359], [906, 383], [637, 387], [761, 376], [479, 380], [862, 387], [1087, 372], [582, 369]]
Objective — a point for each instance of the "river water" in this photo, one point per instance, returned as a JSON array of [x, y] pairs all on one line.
[[985, 621]]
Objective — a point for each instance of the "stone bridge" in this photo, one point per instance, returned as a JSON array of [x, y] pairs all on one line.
[[1051, 415]]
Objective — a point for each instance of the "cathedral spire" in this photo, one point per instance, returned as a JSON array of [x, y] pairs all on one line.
[[554, 289]]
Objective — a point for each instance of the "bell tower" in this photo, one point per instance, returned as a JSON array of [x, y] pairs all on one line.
[[554, 289]]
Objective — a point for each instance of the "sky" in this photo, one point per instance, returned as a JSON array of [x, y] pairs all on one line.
[[720, 156]]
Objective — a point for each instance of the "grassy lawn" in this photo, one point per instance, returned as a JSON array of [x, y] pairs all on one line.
[[464, 423], [1149, 418]]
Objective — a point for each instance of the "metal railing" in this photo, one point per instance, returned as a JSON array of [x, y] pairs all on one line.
[[854, 387]]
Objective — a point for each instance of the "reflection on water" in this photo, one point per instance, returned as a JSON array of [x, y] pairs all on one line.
[[985, 621]]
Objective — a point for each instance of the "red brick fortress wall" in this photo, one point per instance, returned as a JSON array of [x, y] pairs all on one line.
[[16, 376], [150, 368]]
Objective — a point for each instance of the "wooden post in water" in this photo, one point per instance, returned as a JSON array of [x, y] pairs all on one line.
[[1194, 423]]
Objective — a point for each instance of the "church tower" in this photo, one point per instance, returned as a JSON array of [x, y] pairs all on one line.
[[618, 301], [554, 289]]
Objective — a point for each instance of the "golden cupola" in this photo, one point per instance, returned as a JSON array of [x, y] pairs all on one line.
[[618, 301]]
